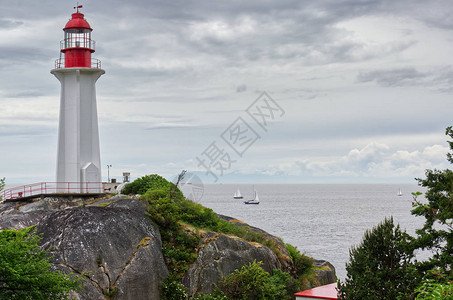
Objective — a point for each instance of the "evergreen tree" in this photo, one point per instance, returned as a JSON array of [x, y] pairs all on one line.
[[381, 266], [25, 270], [437, 232]]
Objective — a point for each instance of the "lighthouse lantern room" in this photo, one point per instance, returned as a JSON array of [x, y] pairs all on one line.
[[78, 156], [77, 45]]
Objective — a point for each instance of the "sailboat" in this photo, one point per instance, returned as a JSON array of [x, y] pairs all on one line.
[[400, 193], [237, 194], [255, 199]]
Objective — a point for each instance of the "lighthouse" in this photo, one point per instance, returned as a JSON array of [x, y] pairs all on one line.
[[78, 156]]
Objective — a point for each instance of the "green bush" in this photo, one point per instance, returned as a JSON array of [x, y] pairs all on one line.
[[249, 282], [26, 271], [165, 213], [286, 283], [155, 194], [252, 282], [431, 290], [178, 247], [302, 263], [172, 289], [147, 182], [435, 286]]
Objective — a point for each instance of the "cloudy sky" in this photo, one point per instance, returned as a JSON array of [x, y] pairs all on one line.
[[358, 91]]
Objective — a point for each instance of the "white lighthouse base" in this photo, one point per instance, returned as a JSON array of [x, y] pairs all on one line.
[[78, 157]]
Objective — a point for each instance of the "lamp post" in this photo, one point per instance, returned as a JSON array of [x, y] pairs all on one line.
[[108, 173]]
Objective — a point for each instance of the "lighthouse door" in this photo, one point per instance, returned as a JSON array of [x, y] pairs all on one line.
[[91, 179]]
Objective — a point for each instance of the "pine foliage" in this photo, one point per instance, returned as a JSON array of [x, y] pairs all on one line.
[[381, 267], [25, 269]]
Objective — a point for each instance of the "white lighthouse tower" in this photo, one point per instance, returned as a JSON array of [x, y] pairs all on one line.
[[78, 157]]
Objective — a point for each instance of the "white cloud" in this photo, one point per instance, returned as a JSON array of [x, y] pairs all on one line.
[[370, 153], [435, 152], [374, 161], [222, 30]]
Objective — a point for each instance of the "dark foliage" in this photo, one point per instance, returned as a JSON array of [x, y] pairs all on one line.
[[437, 232], [381, 267], [252, 282], [149, 182], [25, 269]]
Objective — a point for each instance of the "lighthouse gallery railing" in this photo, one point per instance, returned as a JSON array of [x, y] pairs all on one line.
[[42, 188], [95, 63]]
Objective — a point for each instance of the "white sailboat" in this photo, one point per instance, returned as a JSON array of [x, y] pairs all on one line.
[[255, 200], [400, 193], [237, 194]]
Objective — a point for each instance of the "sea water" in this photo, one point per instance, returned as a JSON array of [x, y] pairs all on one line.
[[321, 220]]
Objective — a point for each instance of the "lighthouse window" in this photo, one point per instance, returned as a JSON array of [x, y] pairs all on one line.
[[78, 37]]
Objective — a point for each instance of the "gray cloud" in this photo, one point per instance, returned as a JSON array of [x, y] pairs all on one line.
[[24, 94], [440, 79], [393, 77], [15, 54], [8, 23], [241, 88], [27, 130]]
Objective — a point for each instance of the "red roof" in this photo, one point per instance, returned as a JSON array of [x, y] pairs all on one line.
[[328, 291], [77, 21]]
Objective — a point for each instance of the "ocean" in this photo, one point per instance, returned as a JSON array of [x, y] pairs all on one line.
[[321, 220]]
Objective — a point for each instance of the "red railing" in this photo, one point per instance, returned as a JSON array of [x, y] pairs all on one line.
[[52, 188], [59, 63]]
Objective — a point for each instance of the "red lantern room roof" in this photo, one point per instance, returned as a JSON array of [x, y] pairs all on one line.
[[77, 21]]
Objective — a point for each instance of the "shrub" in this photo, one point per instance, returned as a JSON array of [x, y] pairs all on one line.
[[147, 182], [435, 286], [155, 194], [26, 271], [246, 283], [252, 282], [302, 263], [431, 290], [172, 289], [286, 283]]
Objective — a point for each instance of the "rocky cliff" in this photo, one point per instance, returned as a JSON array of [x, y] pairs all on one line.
[[118, 250]]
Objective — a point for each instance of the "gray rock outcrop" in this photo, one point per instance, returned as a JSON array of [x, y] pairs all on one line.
[[116, 249], [21, 214], [219, 255], [284, 256], [325, 272]]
